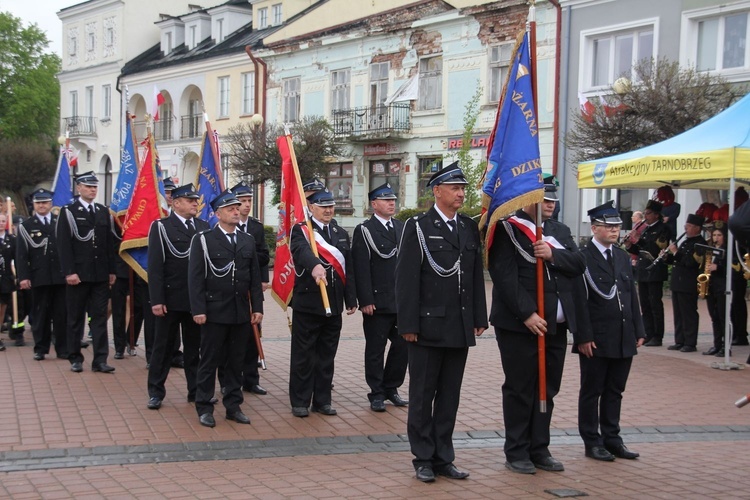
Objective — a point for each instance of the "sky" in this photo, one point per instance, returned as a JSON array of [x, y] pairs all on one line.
[[44, 14]]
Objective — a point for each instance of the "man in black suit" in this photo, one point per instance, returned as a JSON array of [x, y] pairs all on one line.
[[253, 227], [374, 249], [512, 266], [315, 336], [86, 243], [38, 270], [684, 285], [168, 252], [650, 277], [440, 303], [613, 334], [226, 296]]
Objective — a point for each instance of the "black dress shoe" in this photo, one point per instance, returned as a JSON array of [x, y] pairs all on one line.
[[397, 400], [154, 404], [451, 472], [207, 420], [654, 342], [119, 355], [256, 389], [688, 348], [103, 367], [425, 474], [622, 451], [721, 352], [38, 356], [132, 351], [325, 410], [238, 417], [300, 411], [549, 464], [521, 466], [674, 347], [377, 405], [711, 351], [19, 342], [740, 341], [599, 453], [84, 345], [76, 367], [2, 346]]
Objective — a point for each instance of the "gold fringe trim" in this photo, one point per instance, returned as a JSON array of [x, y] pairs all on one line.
[[507, 209]]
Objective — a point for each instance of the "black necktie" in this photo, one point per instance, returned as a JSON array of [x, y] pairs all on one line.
[[609, 257], [189, 224], [45, 221], [389, 225], [326, 232], [231, 239], [452, 225], [91, 210], [242, 228]]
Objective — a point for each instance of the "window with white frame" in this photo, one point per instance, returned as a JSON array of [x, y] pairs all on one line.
[[219, 30], [276, 14], [430, 83], [248, 93], [500, 56], [610, 55], [379, 83], [720, 41], [291, 92], [223, 97], [339, 90], [74, 103], [106, 102], [89, 102], [263, 18]]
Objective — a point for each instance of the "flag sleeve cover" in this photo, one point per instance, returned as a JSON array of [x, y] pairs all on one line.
[[514, 176], [141, 213], [291, 211], [208, 185]]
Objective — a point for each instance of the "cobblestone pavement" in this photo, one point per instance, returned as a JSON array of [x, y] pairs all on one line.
[[90, 435]]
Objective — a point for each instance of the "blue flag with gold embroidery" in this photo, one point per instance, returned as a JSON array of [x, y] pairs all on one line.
[[209, 183], [514, 173]]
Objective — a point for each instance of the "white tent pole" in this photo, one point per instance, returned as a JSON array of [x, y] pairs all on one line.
[[728, 287]]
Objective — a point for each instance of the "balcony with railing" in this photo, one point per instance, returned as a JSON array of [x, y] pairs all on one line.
[[162, 130], [373, 122], [79, 126], [191, 126]]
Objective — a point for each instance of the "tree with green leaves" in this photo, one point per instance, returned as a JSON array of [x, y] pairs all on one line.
[[473, 169], [254, 156], [29, 90], [664, 100]]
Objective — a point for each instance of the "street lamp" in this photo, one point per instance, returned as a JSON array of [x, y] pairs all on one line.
[[256, 120], [622, 86]]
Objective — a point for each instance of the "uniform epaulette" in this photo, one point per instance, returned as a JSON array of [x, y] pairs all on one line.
[[254, 219]]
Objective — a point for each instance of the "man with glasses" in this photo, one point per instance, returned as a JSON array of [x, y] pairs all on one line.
[[614, 331], [650, 276]]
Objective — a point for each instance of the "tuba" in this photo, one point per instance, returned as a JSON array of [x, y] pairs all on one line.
[[705, 277]]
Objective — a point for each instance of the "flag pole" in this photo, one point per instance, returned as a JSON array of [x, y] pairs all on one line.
[[214, 150], [14, 295], [313, 243], [541, 342]]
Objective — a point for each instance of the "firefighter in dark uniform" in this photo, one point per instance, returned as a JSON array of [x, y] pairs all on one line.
[[374, 249], [7, 280], [441, 307], [684, 285], [226, 295], [252, 226], [512, 266], [86, 243], [38, 269], [315, 336], [650, 277], [168, 253], [612, 337]]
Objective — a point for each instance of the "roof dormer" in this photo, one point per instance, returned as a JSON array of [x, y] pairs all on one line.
[[197, 28], [228, 18], [172, 33]]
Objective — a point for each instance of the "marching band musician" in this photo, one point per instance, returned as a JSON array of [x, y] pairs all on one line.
[[650, 276], [38, 268], [684, 287], [315, 336], [638, 224], [87, 259], [224, 288], [716, 300], [168, 254], [7, 280], [441, 307], [607, 347]]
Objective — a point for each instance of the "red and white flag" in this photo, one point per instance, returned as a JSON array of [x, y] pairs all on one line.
[[158, 101], [587, 109]]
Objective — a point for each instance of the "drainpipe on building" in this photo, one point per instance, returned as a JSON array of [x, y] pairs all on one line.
[[261, 84]]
